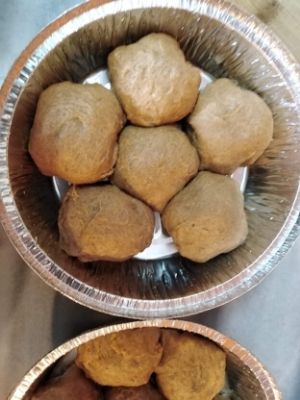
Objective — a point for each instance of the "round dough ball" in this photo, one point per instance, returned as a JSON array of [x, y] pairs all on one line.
[[104, 223], [191, 367], [75, 131], [145, 392], [153, 81], [155, 163], [230, 127], [207, 217], [126, 358], [72, 385]]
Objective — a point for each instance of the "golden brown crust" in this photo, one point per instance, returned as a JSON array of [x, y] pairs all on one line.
[[154, 163], [207, 217], [72, 385], [191, 367], [153, 81], [230, 126], [75, 130], [104, 223], [126, 358], [145, 392]]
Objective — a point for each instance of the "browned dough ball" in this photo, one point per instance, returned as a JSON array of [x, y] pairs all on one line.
[[191, 368], [103, 223], [126, 358], [207, 217], [154, 163], [72, 385], [153, 81], [75, 131], [145, 392], [230, 127]]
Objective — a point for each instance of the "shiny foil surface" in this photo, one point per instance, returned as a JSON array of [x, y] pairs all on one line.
[[246, 375], [224, 42]]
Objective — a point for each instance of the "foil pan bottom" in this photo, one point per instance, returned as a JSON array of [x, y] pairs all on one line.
[[247, 377]]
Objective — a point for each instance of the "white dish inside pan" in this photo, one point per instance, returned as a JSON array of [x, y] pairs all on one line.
[[162, 245]]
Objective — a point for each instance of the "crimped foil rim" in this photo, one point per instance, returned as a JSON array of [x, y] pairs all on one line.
[[249, 27], [267, 383]]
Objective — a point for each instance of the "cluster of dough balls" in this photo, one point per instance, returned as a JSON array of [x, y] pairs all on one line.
[[79, 135], [142, 364]]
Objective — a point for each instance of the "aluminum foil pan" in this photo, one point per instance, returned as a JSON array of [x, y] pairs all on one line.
[[247, 377], [222, 41]]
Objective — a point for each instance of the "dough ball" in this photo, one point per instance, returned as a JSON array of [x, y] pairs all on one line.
[[155, 163], [126, 358], [230, 127], [75, 130], [145, 392], [207, 217], [191, 367], [153, 81], [72, 385], [104, 223]]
